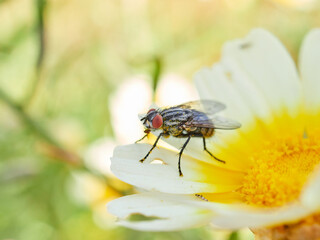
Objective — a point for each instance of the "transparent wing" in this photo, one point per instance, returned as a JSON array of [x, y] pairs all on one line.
[[208, 107], [224, 123], [217, 122]]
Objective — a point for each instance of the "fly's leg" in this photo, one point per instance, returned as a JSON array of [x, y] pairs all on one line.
[[201, 197], [180, 153], [146, 131], [154, 145], [141, 138], [205, 149]]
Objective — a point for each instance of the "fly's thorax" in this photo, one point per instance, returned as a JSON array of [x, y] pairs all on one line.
[[176, 114], [174, 118]]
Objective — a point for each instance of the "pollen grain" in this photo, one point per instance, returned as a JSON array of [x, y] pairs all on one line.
[[279, 171]]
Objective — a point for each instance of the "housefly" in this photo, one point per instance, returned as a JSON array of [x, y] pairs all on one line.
[[187, 120]]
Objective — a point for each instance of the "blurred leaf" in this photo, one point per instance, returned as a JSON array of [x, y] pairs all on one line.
[[10, 42], [234, 236], [139, 217]]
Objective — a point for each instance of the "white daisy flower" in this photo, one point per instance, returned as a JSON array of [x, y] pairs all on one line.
[[270, 177]]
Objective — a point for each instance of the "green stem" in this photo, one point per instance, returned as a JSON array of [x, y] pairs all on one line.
[[27, 119], [157, 69], [41, 4], [40, 30], [234, 236]]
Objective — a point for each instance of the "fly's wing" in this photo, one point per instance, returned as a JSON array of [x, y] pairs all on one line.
[[200, 119], [209, 107], [224, 123]]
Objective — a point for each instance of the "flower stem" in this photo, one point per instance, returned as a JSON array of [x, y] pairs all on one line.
[[156, 73], [40, 6]]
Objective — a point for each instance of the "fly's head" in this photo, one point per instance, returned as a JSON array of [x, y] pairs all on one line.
[[152, 120]]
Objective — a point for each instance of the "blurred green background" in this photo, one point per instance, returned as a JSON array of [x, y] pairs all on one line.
[[63, 70]]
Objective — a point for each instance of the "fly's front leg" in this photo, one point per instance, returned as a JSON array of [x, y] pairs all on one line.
[[180, 153], [147, 131], [154, 145], [205, 149], [141, 138]]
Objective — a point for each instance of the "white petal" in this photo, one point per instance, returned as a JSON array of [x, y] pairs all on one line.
[[310, 71], [183, 211], [311, 194], [198, 176], [237, 216], [265, 62], [214, 83], [125, 123], [256, 75], [166, 94], [172, 214], [232, 218]]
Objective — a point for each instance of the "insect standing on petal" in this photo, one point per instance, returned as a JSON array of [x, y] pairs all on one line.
[[191, 119]]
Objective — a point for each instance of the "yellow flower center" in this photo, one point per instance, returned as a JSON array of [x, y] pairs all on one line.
[[279, 170]]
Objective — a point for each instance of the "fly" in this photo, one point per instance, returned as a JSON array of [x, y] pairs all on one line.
[[187, 120]]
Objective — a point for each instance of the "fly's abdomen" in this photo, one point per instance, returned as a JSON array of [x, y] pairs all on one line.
[[207, 132], [198, 131]]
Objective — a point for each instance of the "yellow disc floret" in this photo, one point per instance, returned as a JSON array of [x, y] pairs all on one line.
[[279, 170]]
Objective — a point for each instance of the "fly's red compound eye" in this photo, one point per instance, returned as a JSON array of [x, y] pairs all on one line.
[[150, 110], [157, 121]]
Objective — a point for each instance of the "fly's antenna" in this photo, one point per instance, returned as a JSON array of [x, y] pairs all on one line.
[[142, 117]]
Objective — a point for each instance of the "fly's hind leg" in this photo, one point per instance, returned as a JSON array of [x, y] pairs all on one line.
[[205, 149], [154, 145], [180, 153]]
